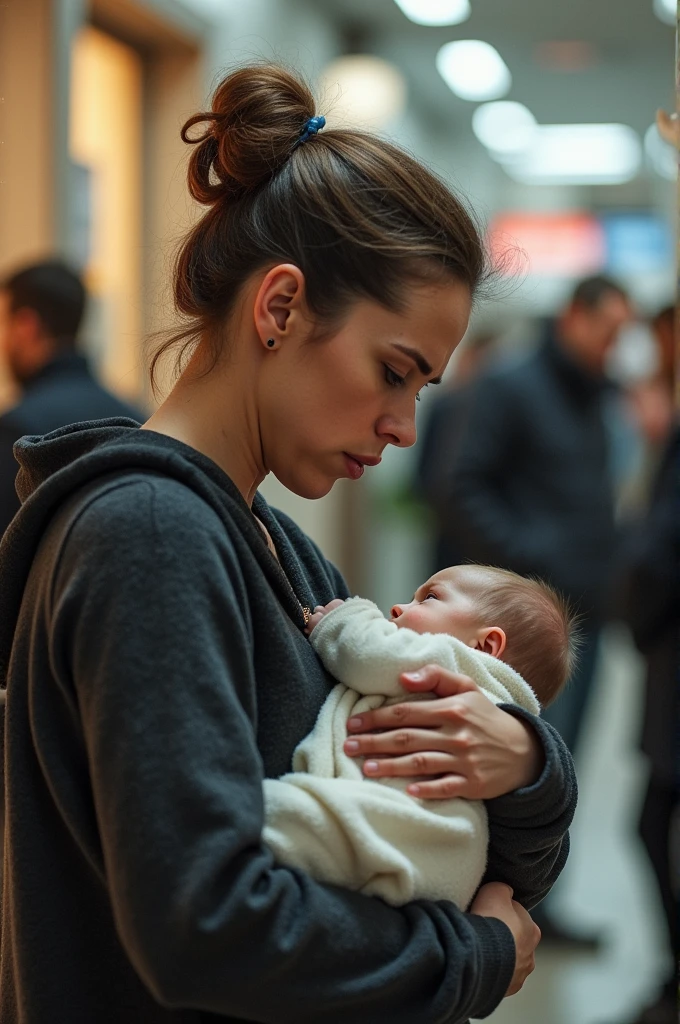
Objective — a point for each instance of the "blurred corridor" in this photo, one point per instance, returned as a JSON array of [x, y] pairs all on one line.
[[607, 884]]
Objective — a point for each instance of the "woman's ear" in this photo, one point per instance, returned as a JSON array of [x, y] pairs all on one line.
[[491, 640], [279, 303]]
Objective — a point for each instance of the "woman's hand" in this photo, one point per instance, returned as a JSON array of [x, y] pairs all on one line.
[[474, 749], [495, 900]]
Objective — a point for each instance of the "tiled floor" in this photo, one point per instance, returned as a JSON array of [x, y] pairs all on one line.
[[607, 883]]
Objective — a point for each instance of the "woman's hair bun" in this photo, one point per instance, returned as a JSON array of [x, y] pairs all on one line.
[[258, 113]]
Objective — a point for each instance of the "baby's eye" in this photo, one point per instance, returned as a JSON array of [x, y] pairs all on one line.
[[431, 595]]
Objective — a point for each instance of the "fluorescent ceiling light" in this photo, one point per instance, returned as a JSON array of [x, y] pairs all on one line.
[[666, 10], [577, 154], [660, 154], [504, 127], [474, 70], [435, 12], [363, 91]]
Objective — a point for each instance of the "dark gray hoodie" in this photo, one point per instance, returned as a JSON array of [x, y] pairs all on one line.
[[156, 670]]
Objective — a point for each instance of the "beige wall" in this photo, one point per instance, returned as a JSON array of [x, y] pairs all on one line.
[[26, 171], [105, 136], [175, 91]]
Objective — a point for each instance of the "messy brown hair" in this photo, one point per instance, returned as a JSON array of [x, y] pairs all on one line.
[[540, 626], [359, 216]]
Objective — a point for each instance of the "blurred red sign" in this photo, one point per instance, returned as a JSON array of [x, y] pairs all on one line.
[[547, 244]]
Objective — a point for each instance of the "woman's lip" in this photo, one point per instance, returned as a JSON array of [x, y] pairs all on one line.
[[365, 460], [355, 468]]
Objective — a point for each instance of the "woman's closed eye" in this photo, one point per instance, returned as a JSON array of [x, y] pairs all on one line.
[[395, 381]]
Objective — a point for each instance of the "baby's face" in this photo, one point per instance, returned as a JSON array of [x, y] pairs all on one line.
[[444, 604]]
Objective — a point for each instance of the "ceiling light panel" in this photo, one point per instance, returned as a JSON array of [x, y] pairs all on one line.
[[504, 127], [435, 12], [474, 70], [578, 154]]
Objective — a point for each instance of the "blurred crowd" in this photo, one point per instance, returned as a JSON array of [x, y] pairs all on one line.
[[546, 464]]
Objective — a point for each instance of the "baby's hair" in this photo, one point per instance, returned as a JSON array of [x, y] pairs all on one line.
[[540, 625]]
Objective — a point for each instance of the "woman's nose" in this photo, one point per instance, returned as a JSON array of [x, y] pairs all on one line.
[[399, 431]]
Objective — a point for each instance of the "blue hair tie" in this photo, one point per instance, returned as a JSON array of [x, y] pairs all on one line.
[[311, 127]]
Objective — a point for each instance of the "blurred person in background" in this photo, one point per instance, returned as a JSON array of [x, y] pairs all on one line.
[[41, 308], [652, 398], [532, 489], [651, 606], [437, 447]]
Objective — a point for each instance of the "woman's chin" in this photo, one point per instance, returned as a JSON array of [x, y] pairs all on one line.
[[310, 487]]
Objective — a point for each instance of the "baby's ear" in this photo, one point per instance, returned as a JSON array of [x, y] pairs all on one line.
[[491, 640]]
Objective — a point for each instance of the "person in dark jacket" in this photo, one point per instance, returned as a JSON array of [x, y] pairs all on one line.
[[651, 605], [437, 447], [153, 612], [41, 307]]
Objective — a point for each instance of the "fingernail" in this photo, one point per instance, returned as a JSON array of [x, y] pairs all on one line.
[[354, 723], [371, 767], [415, 676], [414, 790], [351, 746]]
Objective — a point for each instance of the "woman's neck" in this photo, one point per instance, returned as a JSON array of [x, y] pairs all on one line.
[[217, 416]]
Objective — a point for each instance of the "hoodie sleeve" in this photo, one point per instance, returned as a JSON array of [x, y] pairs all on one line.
[[528, 828], [150, 632]]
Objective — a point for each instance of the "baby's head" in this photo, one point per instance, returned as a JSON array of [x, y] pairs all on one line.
[[524, 622]]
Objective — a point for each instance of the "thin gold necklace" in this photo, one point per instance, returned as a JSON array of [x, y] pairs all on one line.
[[306, 612]]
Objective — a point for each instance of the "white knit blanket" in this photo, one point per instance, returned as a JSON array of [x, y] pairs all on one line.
[[329, 819]]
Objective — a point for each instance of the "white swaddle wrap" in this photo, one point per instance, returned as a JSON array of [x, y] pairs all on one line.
[[329, 819]]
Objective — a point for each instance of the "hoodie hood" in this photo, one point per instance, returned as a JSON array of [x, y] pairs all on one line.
[[41, 456], [55, 466]]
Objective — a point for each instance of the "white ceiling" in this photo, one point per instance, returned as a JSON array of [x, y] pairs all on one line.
[[632, 74]]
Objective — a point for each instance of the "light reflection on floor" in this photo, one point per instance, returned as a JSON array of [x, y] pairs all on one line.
[[607, 884]]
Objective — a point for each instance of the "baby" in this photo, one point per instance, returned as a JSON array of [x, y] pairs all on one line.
[[511, 635]]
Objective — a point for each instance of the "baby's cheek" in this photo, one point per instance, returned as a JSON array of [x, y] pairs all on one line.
[[414, 619]]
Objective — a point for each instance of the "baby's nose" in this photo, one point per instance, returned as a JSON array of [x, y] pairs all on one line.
[[396, 611]]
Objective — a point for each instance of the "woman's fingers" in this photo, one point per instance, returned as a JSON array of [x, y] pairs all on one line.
[[424, 763], [404, 741], [424, 714], [445, 788]]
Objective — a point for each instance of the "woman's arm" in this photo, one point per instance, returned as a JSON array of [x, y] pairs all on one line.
[[149, 627], [528, 837]]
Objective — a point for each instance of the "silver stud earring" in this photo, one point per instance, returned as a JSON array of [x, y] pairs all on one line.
[[270, 343]]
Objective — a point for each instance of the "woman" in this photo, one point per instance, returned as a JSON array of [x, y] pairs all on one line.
[[152, 634]]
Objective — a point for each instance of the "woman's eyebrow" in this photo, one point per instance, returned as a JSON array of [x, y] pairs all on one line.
[[419, 360]]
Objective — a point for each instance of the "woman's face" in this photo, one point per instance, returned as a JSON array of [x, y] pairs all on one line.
[[330, 405]]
